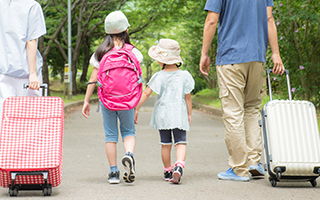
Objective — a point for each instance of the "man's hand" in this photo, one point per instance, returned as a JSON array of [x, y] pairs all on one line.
[[278, 67], [204, 64]]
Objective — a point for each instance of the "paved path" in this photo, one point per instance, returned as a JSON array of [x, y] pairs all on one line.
[[86, 167]]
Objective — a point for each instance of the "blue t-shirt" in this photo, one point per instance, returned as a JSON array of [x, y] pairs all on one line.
[[242, 31]]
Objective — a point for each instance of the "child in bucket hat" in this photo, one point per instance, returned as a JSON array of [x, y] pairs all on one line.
[[173, 107], [117, 37]]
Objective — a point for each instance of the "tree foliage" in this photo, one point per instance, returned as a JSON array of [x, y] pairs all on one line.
[[298, 24]]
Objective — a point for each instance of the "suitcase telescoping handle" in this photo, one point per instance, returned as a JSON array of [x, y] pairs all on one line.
[[288, 83], [43, 86]]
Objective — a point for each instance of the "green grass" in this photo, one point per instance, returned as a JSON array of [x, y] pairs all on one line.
[[56, 89], [78, 97], [208, 97], [211, 98]]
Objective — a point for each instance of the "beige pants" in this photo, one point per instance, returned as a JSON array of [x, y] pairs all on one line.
[[240, 93]]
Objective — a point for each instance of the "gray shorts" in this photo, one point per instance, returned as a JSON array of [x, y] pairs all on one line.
[[180, 136]]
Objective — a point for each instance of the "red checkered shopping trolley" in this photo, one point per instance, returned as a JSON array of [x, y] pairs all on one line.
[[31, 144]]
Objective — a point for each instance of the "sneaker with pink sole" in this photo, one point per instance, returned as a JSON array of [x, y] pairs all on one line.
[[176, 175]]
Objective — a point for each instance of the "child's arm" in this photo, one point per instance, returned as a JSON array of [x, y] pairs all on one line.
[[189, 106], [145, 95], [90, 89]]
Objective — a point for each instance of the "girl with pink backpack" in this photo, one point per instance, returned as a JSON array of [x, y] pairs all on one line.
[[115, 61]]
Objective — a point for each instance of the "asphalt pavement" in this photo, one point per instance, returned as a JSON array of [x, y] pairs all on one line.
[[85, 166]]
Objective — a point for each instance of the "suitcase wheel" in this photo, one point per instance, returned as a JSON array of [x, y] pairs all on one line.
[[273, 182], [278, 175], [13, 192], [47, 191], [313, 182]]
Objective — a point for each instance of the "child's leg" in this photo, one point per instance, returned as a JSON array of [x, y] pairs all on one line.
[[110, 125], [111, 138], [181, 151], [180, 140], [166, 160], [166, 146], [166, 155], [129, 143], [127, 129], [111, 151]]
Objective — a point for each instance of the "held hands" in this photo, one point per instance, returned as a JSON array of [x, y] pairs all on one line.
[[86, 110]]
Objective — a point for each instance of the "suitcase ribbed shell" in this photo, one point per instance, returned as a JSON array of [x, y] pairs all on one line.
[[293, 136]]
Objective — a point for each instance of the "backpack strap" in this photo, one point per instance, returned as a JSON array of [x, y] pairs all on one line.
[[128, 46]]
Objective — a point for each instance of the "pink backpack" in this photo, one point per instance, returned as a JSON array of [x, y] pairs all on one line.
[[120, 79]]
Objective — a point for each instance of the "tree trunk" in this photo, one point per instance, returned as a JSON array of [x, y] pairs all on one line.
[[86, 49], [45, 71], [74, 77]]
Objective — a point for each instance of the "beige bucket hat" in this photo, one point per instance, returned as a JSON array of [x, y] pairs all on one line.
[[167, 52], [116, 22]]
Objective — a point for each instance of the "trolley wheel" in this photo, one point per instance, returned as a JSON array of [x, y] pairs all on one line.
[[47, 191], [278, 175], [13, 192], [313, 182], [273, 182]]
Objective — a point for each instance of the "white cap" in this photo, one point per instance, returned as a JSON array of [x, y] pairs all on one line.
[[116, 22]]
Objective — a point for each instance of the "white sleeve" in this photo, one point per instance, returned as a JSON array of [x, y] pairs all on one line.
[[138, 54], [93, 61], [36, 23]]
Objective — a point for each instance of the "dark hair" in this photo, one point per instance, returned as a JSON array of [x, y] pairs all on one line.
[[107, 44], [178, 65]]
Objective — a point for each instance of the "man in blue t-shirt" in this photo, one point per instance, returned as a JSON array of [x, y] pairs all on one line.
[[245, 28]]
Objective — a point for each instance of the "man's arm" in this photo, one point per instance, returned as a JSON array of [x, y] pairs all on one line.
[[209, 31], [278, 67], [34, 82]]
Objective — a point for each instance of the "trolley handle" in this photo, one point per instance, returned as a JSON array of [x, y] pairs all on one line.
[[43, 86], [288, 84]]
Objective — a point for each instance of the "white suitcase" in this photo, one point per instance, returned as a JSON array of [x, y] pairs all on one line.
[[291, 139]]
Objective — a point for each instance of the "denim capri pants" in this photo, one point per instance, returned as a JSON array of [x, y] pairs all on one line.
[[179, 136], [110, 123]]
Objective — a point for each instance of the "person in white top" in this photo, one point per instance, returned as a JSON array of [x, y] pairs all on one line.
[[116, 27], [21, 24], [173, 106]]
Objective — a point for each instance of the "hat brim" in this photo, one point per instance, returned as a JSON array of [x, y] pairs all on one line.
[[153, 53]]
